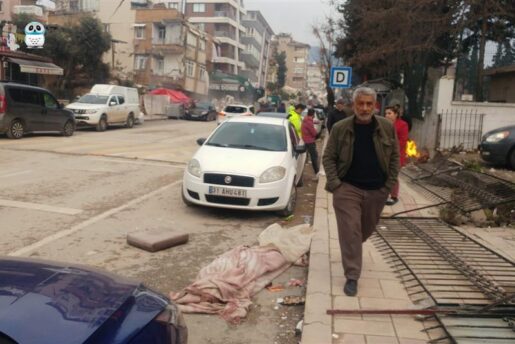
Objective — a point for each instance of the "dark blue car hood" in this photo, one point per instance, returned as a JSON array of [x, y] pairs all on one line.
[[45, 302]]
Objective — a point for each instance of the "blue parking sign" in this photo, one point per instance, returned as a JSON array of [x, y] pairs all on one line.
[[341, 77]]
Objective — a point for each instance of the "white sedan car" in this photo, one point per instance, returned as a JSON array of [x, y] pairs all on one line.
[[252, 163], [234, 110]]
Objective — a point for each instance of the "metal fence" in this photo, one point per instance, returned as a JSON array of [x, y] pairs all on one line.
[[459, 128]]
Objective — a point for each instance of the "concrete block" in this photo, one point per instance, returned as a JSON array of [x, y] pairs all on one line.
[[153, 241], [316, 333]]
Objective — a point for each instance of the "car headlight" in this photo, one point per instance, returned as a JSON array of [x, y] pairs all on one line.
[[204, 113], [194, 168], [498, 136], [273, 174], [91, 111]]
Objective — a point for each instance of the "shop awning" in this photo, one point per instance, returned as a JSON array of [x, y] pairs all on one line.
[[37, 67]]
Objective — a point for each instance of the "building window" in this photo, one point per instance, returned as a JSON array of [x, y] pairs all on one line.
[[160, 66], [107, 27], [140, 62], [202, 72], [201, 26], [161, 33], [173, 5], [299, 70], [299, 60], [199, 8], [1, 6], [190, 69], [139, 32]]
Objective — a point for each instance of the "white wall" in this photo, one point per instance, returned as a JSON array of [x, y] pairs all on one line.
[[496, 114]]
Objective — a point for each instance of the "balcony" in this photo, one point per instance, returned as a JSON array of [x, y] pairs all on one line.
[[250, 59], [225, 14], [28, 9], [225, 34]]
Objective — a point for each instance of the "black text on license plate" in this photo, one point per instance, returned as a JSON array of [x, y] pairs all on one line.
[[215, 190]]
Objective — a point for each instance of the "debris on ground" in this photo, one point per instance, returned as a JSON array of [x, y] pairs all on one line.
[[292, 300], [158, 240], [275, 288], [295, 283], [298, 328]]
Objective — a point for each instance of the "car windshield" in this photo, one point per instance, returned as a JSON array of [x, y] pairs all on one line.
[[203, 106], [272, 114], [235, 109], [243, 135], [93, 99]]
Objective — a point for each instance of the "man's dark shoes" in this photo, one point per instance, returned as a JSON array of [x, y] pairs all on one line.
[[392, 201], [351, 287]]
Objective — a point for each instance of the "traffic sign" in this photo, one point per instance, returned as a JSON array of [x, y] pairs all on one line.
[[341, 77]]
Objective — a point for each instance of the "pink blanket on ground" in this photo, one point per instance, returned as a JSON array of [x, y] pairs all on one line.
[[226, 285]]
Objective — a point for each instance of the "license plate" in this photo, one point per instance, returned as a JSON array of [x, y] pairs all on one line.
[[219, 191]]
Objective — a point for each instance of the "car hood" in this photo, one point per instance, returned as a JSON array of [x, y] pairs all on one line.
[[198, 111], [84, 106], [238, 161], [46, 302]]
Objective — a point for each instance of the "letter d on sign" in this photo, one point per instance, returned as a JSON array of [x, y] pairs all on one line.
[[340, 77]]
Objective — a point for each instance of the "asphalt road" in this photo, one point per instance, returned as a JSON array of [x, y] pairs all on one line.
[[76, 199]]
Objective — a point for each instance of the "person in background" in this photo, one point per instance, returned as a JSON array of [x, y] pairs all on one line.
[[361, 162], [309, 136], [339, 112], [392, 113], [295, 118], [281, 107]]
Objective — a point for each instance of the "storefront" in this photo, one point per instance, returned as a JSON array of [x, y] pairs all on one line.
[[221, 85], [27, 68]]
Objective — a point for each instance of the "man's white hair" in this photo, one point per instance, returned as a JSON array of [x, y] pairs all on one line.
[[364, 91]]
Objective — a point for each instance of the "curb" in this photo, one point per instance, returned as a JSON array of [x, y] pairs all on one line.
[[317, 328]]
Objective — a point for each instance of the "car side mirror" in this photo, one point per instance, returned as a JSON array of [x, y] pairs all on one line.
[[60, 105], [112, 103], [201, 141], [300, 149]]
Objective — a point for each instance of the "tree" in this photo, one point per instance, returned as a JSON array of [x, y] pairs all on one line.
[[486, 20], [280, 59], [78, 49], [379, 45], [325, 35]]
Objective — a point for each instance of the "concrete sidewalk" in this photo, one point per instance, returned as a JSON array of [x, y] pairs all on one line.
[[378, 288]]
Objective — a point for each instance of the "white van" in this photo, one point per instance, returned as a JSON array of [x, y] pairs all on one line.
[[107, 105]]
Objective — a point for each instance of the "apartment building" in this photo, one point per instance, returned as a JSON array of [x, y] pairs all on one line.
[[169, 52], [118, 19], [223, 20], [296, 60], [316, 82], [37, 8], [256, 39]]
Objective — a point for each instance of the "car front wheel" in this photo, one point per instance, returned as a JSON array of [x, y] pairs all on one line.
[[68, 129], [16, 130], [292, 201], [102, 123]]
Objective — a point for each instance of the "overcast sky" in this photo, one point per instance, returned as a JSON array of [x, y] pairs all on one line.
[[294, 16]]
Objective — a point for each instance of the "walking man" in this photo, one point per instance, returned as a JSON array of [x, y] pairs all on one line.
[[340, 111], [309, 136], [361, 163]]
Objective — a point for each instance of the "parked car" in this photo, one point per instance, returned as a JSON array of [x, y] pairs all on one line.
[[45, 302], [27, 109], [272, 114], [201, 111], [235, 110], [318, 120], [253, 163], [107, 105], [498, 146]]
